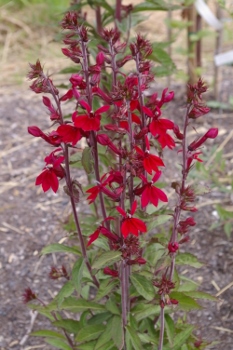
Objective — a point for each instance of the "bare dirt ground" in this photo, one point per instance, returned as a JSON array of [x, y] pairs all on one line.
[[30, 219]]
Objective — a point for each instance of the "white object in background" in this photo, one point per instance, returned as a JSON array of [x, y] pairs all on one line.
[[205, 12], [223, 58]]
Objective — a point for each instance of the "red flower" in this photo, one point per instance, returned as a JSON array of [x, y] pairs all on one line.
[[101, 187], [70, 133], [52, 171], [173, 247], [104, 231], [54, 114], [130, 224], [91, 120], [158, 127], [150, 193], [108, 271], [150, 161], [210, 134], [53, 138]]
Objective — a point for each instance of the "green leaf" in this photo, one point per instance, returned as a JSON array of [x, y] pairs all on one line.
[[160, 220], [228, 229], [42, 311], [77, 274], [186, 303], [78, 305], [99, 318], [47, 333], [154, 253], [87, 160], [70, 325], [90, 333], [117, 332], [57, 247], [112, 307], [142, 311], [87, 346], [134, 338], [200, 295], [188, 286], [107, 258], [170, 328], [105, 337], [66, 290], [143, 286], [161, 56], [156, 5], [58, 344], [188, 259], [181, 338], [106, 286]]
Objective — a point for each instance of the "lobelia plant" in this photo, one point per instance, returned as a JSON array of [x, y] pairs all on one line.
[[123, 288]]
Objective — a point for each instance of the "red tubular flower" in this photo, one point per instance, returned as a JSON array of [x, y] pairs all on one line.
[[52, 171], [104, 140], [54, 115], [53, 138], [104, 231], [158, 127], [150, 161], [91, 120], [198, 110], [173, 247], [212, 133], [102, 187], [70, 133], [150, 193], [130, 224], [110, 272]]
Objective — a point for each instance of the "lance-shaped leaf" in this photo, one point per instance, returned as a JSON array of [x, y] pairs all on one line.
[[107, 258], [143, 286], [57, 247], [90, 333], [188, 259]]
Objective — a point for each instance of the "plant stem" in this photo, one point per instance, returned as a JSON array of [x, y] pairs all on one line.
[[76, 220], [118, 11], [70, 188], [161, 334]]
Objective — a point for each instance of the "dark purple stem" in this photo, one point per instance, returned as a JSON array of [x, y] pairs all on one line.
[[118, 11], [161, 334]]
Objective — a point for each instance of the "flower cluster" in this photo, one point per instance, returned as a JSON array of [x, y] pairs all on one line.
[[123, 125]]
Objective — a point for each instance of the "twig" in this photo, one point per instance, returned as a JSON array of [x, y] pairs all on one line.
[[34, 315], [224, 289], [222, 329]]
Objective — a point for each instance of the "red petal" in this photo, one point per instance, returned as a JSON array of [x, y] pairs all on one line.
[[159, 193], [139, 224], [145, 199], [134, 207], [121, 211], [148, 112], [93, 237], [157, 176], [102, 109], [85, 105], [128, 227]]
